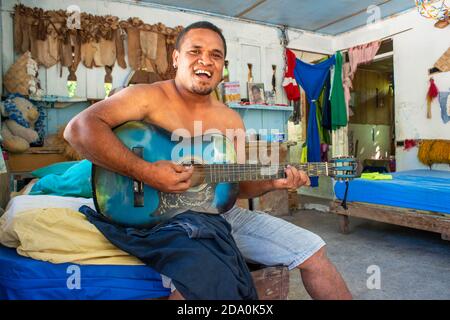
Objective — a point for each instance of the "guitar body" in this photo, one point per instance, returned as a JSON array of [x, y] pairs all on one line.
[[131, 203]]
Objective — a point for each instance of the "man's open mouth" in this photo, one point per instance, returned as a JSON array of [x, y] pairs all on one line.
[[203, 74]]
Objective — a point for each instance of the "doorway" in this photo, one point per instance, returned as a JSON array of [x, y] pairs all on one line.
[[371, 128]]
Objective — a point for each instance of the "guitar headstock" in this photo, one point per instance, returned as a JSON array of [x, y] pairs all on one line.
[[343, 168]]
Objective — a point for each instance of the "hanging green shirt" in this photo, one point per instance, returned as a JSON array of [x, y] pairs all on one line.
[[324, 133], [338, 106]]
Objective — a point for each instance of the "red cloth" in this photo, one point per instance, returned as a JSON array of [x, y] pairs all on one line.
[[289, 83], [432, 91], [409, 143]]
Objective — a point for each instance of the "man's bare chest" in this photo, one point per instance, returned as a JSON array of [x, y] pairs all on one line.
[[192, 124]]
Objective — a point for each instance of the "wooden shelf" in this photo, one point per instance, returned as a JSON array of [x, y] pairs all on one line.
[[34, 158], [58, 102], [59, 99]]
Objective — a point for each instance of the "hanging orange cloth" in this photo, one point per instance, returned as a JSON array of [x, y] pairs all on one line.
[[433, 92]]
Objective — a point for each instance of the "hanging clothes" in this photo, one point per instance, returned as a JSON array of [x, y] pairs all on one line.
[[433, 92], [347, 84], [324, 113], [289, 83], [338, 105], [444, 101], [312, 78], [326, 104], [320, 129], [361, 54], [324, 133]]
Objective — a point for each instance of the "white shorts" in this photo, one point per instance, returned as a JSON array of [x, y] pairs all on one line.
[[271, 241]]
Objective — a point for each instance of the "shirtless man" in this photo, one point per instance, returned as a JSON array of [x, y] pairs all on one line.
[[199, 59]]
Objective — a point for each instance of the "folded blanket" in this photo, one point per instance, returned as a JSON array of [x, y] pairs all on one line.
[[50, 228]]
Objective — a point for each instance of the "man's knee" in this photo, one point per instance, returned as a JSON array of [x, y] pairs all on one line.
[[314, 261]]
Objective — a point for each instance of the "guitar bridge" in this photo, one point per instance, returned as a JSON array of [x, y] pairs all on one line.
[[138, 186]]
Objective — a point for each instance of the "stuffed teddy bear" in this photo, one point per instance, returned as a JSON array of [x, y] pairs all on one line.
[[18, 130]]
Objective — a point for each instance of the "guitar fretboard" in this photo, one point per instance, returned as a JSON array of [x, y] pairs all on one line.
[[215, 173]]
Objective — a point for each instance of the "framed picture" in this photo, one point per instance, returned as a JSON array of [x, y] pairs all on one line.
[[256, 93]]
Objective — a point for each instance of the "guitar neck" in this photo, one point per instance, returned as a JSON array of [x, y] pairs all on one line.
[[215, 173]]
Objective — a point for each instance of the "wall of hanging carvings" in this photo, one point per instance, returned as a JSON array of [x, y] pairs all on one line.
[[56, 37], [240, 35]]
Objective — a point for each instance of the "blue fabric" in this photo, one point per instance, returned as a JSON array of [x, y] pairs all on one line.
[[195, 250], [27, 279], [414, 189], [312, 78], [58, 168], [74, 182], [443, 97], [326, 107]]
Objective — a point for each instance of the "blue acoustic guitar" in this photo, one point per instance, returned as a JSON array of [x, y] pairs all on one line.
[[214, 182]]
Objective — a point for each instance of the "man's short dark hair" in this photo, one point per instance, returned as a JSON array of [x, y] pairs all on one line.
[[200, 25]]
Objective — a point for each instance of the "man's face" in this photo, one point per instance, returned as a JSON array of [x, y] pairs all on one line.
[[200, 61]]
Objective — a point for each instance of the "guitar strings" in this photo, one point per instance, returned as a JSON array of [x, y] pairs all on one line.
[[239, 172], [257, 167], [255, 171], [254, 168]]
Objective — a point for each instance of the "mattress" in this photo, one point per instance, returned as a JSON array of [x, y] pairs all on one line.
[[25, 278], [415, 189]]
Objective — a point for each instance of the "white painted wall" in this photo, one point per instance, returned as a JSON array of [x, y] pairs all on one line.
[[415, 51], [247, 42]]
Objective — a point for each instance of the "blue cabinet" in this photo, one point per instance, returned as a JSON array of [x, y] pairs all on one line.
[[268, 117]]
